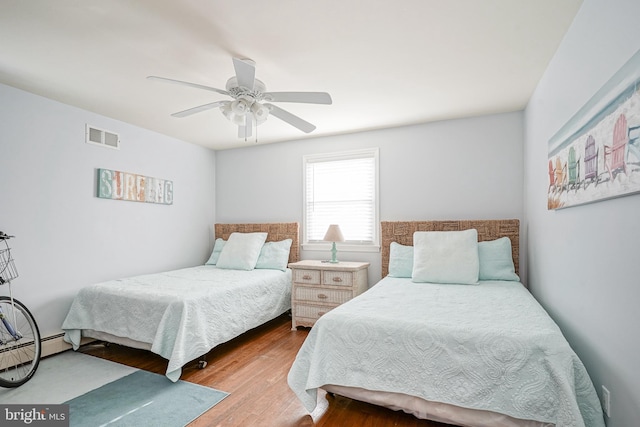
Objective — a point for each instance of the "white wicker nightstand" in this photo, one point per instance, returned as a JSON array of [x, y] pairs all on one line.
[[321, 286]]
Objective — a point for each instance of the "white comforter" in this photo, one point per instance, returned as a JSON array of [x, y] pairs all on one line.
[[182, 314], [489, 347]]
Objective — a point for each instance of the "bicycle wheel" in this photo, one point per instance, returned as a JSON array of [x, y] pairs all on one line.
[[19, 358]]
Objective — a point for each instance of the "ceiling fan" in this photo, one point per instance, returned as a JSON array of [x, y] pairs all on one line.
[[249, 94]]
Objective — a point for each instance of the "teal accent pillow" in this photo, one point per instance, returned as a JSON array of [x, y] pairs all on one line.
[[241, 251], [217, 248], [446, 257], [496, 261], [275, 255], [400, 260]]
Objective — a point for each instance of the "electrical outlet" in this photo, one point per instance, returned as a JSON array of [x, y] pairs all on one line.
[[606, 401]]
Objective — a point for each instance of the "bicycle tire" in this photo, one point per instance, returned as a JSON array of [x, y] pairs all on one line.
[[19, 359]]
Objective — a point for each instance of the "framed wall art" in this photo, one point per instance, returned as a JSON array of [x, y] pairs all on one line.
[[596, 154]]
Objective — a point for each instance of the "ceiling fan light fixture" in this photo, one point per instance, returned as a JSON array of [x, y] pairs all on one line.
[[260, 112], [239, 120], [230, 114], [246, 109], [240, 106]]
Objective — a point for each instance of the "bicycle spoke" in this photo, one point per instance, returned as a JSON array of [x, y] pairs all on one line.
[[20, 346], [19, 358]]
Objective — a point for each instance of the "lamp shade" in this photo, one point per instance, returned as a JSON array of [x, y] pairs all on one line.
[[333, 234]]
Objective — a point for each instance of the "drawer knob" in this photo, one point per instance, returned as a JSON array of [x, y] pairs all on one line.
[[322, 296], [337, 279], [306, 277]]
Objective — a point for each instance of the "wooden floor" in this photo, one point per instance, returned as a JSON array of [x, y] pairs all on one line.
[[253, 369]]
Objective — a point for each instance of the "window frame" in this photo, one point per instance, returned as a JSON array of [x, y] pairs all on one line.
[[374, 246]]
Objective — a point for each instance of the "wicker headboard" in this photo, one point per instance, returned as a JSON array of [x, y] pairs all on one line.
[[277, 231], [488, 229]]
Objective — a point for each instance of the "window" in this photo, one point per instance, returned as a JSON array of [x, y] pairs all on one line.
[[342, 188]]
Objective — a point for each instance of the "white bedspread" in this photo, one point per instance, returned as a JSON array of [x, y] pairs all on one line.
[[182, 314], [488, 347]]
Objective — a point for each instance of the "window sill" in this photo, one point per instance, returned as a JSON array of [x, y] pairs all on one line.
[[340, 247]]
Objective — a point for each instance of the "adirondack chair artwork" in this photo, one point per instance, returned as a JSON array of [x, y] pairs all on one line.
[[614, 155], [552, 177], [573, 170], [596, 153], [634, 144], [561, 175], [590, 161]]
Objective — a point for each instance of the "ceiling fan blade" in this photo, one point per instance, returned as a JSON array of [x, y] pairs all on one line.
[[293, 120], [302, 97], [245, 72], [245, 131], [200, 108], [180, 82]]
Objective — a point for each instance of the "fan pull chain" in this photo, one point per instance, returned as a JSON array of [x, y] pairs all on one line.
[[256, 131]]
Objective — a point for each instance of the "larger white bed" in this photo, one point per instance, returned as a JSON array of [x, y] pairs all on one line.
[[182, 314], [470, 355]]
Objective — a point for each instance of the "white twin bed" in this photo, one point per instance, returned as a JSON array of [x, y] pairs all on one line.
[[183, 314], [483, 354]]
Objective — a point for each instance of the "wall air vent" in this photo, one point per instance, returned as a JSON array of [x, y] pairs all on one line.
[[102, 137]]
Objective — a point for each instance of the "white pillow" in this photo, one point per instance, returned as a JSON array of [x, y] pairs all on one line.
[[241, 251], [446, 257]]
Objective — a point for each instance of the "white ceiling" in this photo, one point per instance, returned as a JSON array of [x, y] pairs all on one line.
[[385, 63]]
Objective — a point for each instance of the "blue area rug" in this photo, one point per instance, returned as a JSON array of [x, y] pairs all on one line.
[[142, 399]]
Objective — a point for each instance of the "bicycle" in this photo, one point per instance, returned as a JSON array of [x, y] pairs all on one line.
[[20, 346]]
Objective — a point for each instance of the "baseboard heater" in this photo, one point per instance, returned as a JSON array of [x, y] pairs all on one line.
[[54, 344]]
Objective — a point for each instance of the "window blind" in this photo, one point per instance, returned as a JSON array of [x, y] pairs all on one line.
[[342, 189]]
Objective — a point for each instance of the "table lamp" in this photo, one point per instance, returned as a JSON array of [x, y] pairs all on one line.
[[334, 235]]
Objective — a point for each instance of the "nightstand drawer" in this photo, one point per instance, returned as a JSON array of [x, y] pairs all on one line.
[[331, 296], [339, 278], [311, 312], [312, 277]]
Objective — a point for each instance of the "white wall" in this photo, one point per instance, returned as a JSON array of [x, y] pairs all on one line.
[[584, 261], [457, 169], [66, 236]]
